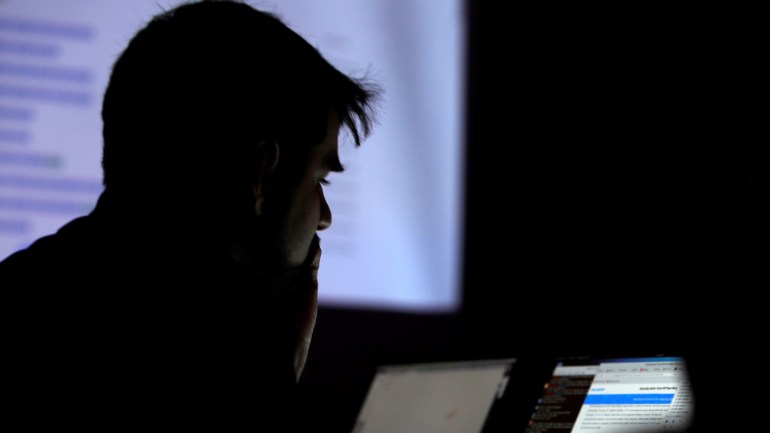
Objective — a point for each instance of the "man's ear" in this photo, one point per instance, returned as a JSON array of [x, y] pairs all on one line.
[[267, 155]]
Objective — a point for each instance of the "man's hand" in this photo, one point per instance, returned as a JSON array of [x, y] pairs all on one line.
[[307, 310]]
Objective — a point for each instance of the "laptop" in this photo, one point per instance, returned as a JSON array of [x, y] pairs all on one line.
[[614, 395], [436, 397]]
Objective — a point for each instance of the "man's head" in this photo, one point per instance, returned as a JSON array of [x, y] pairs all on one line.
[[221, 114]]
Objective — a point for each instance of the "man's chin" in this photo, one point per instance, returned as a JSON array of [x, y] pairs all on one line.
[[290, 278], [282, 274], [306, 253], [283, 280]]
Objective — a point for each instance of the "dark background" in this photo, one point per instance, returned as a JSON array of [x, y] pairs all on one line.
[[614, 188]]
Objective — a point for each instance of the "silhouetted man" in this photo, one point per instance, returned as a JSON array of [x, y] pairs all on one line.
[[188, 296]]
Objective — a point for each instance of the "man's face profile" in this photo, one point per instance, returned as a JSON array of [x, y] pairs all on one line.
[[294, 208], [306, 209]]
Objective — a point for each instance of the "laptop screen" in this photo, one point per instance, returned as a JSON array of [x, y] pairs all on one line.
[[433, 397], [623, 395]]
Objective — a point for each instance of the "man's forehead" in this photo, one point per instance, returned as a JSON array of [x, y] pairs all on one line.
[[328, 149], [332, 161]]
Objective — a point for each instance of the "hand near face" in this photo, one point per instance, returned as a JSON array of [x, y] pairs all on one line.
[[307, 310]]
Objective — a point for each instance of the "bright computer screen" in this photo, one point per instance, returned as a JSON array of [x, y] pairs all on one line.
[[618, 395]]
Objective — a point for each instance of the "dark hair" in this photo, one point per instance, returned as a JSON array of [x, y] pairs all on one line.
[[203, 83]]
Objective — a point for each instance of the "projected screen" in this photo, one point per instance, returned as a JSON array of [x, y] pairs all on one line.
[[395, 239]]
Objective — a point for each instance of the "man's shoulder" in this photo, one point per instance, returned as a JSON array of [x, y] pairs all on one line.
[[55, 252]]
